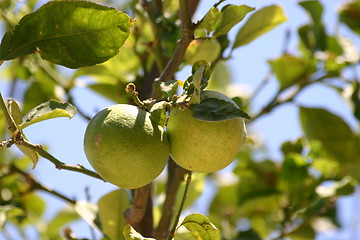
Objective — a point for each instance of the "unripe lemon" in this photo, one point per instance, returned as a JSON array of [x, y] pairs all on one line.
[[204, 146], [125, 147]]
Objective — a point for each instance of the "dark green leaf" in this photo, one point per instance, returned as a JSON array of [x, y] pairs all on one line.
[[201, 227], [292, 147], [248, 235], [69, 33], [314, 8], [213, 109], [231, 15], [355, 98], [114, 92], [111, 213], [259, 23], [349, 14], [290, 70], [48, 110]]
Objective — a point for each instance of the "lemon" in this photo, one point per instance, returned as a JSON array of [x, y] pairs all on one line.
[[125, 147], [204, 146]]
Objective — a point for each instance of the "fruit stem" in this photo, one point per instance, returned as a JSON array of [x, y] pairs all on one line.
[[131, 89], [177, 217]]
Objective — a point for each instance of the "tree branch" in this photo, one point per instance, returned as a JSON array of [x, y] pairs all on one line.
[[58, 164], [35, 185], [188, 35], [136, 213], [175, 177]]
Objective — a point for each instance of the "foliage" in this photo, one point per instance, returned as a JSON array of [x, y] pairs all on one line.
[[147, 43]]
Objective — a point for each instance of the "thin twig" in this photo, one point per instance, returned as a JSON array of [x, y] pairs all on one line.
[[35, 185], [275, 102], [58, 164], [177, 217]]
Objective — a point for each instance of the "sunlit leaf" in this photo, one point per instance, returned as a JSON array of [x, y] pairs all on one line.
[[332, 131], [88, 212], [48, 110], [210, 22], [61, 218], [111, 213], [201, 228], [259, 23], [130, 234], [14, 111], [199, 50], [69, 33], [290, 70], [231, 15], [30, 153]]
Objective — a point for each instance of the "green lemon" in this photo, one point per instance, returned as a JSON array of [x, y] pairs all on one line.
[[125, 147], [204, 146]]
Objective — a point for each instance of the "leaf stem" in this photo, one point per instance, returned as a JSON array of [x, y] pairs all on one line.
[[177, 217]]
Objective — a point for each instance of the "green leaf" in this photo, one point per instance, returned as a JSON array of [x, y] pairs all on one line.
[[335, 135], [232, 15], [48, 110], [69, 33], [259, 23], [110, 91], [60, 219], [30, 153], [289, 70], [169, 88], [111, 213], [201, 228], [158, 112], [88, 212], [355, 98], [14, 111], [199, 50], [214, 109], [314, 8], [130, 234], [210, 22], [344, 187], [349, 14]]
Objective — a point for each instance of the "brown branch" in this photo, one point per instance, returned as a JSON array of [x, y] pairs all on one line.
[[175, 178], [187, 36], [136, 213]]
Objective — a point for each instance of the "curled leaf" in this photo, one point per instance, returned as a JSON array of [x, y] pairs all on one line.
[[131, 234], [48, 110]]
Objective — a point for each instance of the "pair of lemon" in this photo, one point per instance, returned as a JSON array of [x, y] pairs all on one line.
[[128, 149]]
